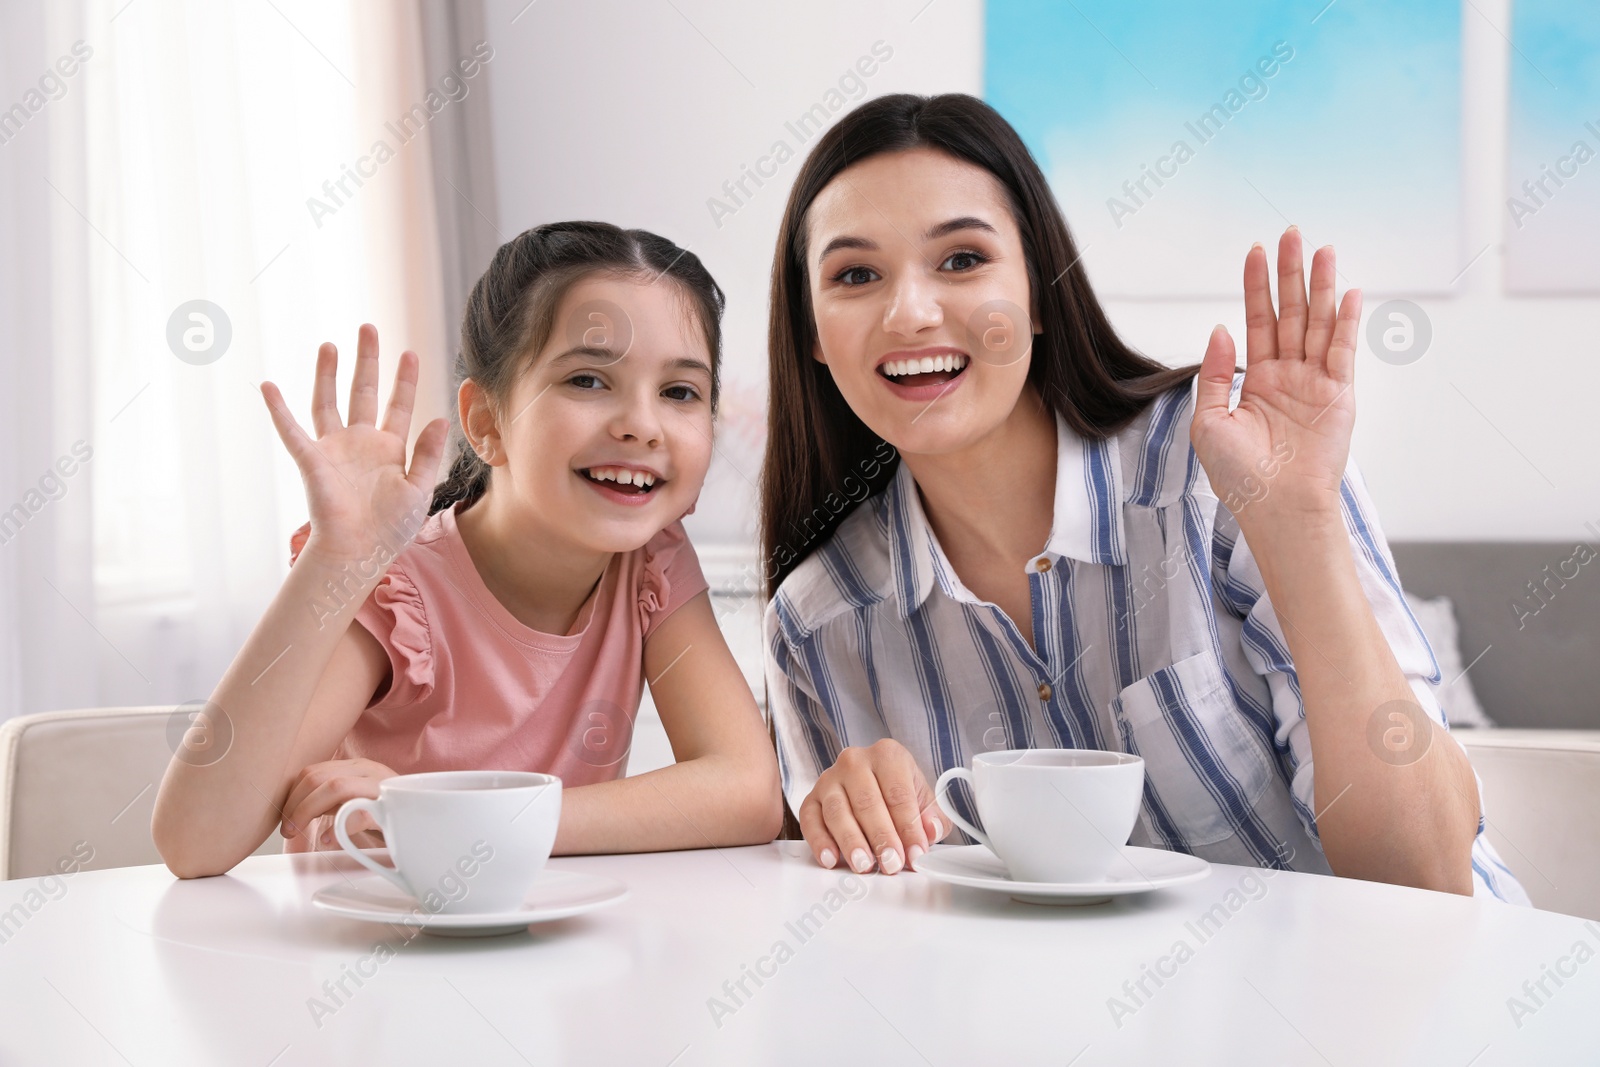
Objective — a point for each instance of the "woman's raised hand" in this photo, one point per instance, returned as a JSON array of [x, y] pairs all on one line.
[[361, 496], [1288, 439]]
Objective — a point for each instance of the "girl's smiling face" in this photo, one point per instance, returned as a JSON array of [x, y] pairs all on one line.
[[915, 256], [607, 433]]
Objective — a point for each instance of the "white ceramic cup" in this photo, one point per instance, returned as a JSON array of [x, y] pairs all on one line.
[[1053, 814], [463, 842]]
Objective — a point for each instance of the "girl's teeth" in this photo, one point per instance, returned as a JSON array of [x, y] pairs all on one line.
[[622, 476]]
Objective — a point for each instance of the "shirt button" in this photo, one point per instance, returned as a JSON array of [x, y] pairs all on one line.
[[1041, 564], [1044, 690]]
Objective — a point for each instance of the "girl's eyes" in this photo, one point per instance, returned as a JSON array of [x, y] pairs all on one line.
[[684, 393], [976, 260]]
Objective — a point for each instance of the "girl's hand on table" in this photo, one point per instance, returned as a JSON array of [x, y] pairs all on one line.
[[322, 787], [873, 806]]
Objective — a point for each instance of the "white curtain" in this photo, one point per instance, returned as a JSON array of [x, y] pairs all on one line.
[[198, 151]]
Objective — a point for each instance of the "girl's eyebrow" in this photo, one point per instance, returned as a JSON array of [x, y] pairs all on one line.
[[585, 353], [943, 229], [592, 354], [685, 363]]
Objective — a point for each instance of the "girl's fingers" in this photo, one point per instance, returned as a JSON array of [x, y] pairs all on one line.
[[426, 453], [1291, 297], [397, 416], [364, 386], [326, 798], [1261, 337], [307, 780], [324, 395], [294, 438], [1319, 327], [1342, 350], [358, 826], [823, 846]]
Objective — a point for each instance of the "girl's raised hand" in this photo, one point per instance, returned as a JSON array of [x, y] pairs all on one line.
[[1287, 441], [361, 496]]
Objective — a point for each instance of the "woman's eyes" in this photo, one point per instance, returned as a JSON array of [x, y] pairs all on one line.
[[576, 379], [847, 273], [978, 258], [689, 393], [975, 259]]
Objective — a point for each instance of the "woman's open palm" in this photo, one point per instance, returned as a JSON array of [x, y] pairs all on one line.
[[1289, 436], [360, 494]]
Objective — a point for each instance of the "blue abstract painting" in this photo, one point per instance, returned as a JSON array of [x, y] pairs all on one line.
[[1552, 219], [1174, 134]]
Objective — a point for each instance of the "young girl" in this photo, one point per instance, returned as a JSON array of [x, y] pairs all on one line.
[[550, 577], [1078, 547]]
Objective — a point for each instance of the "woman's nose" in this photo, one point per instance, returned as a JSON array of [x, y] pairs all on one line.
[[914, 305]]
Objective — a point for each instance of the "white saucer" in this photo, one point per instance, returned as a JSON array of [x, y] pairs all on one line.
[[555, 895], [1139, 871]]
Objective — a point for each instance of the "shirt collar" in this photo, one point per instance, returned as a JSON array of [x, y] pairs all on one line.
[[1086, 526]]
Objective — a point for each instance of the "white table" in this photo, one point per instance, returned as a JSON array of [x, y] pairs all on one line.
[[132, 966]]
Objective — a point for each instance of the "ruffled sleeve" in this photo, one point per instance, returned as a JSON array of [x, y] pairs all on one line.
[[397, 616], [671, 577]]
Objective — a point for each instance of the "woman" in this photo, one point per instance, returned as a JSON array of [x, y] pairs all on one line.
[[1078, 547]]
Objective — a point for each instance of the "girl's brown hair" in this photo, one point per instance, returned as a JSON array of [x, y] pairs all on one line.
[[815, 444], [512, 311]]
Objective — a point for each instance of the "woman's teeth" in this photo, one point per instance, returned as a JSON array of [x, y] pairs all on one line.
[[926, 365], [622, 476]]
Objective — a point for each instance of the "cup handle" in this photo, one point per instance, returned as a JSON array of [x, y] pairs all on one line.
[[939, 789], [374, 809]]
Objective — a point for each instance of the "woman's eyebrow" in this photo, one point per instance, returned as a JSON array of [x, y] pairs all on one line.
[[943, 229], [965, 222]]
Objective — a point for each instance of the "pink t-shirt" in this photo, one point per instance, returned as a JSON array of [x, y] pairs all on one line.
[[474, 688]]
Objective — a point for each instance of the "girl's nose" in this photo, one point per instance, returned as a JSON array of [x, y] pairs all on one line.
[[638, 420]]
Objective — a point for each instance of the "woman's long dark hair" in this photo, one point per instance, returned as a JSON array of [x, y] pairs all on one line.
[[512, 311], [817, 446]]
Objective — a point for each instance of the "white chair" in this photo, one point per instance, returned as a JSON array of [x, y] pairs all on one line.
[[1542, 798], [77, 789]]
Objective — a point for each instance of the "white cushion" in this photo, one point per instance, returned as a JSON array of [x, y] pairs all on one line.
[[1437, 617]]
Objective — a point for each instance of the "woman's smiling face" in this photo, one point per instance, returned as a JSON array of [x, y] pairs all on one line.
[[920, 297]]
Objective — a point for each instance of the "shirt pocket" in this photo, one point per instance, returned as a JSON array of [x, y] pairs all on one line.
[[1204, 768]]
